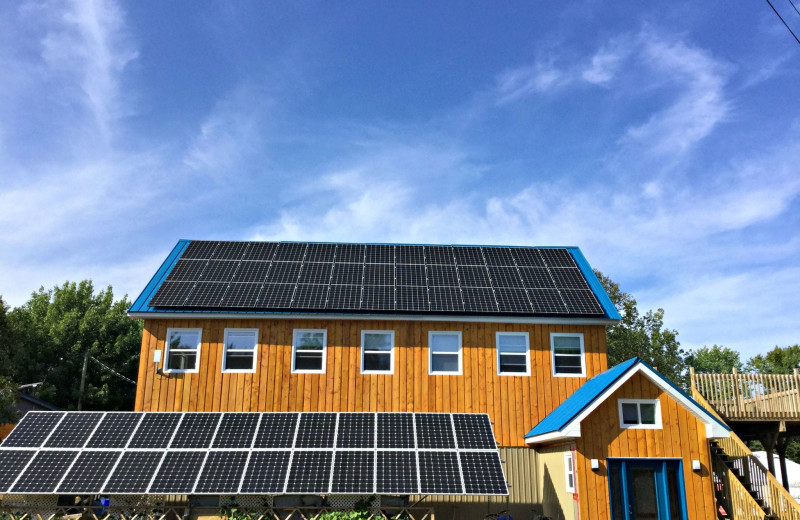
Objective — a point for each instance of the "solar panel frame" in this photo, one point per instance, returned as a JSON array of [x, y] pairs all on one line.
[[440, 473], [90, 471], [527, 257], [155, 431], [172, 294], [12, 464], [241, 295], [434, 431], [266, 473], [222, 472], [555, 257], [406, 254], [263, 251], [395, 430], [397, 472], [513, 300], [355, 430], [482, 473], [187, 269], [236, 430], [134, 472], [196, 431], [276, 430], [310, 472], [406, 274], [33, 430], [207, 294], [468, 255], [536, 278], [231, 250], [316, 430], [279, 293], [479, 299], [445, 299], [353, 472], [473, 431], [178, 472], [474, 276], [44, 472], [74, 430]]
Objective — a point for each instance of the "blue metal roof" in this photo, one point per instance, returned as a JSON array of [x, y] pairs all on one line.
[[591, 391]]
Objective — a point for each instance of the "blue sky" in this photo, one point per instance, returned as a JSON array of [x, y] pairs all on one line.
[[662, 140]]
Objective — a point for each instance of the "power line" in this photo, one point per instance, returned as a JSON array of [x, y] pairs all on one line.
[[794, 6], [784, 22], [109, 369]]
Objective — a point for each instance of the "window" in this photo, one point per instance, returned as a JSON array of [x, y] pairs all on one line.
[[512, 353], [567, 354], [183, 350], [445, 353], [240, 350], [308, 350], [377, 351], [639, 413], [569, 471]]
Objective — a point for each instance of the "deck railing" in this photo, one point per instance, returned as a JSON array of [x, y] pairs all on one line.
[[751, 397]]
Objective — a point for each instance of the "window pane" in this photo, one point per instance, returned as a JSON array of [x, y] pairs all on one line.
[[512, 363], [182, 361], [512, 343], [241, 340], [238, 362], [567, 344], [311, 340], [308, 361], [377, 362], [445, 342], [569, 364], [648, 411], [630, 413], [444, 363], [377, 341], [181, 339]]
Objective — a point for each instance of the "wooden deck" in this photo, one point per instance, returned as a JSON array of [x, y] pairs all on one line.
[[751, 397]]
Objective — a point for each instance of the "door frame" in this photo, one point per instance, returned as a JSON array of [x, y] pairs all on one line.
[[651, 462]]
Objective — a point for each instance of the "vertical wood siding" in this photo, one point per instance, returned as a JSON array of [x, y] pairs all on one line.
[[514, 403], [681, 435]]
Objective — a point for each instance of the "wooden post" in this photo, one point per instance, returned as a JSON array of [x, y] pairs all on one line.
[[83, 379], [738, 407], [783, 442], [769, 440], [797, 390], [691, 379]]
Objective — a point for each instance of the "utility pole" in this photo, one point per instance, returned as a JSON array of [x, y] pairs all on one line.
[[83, 378]]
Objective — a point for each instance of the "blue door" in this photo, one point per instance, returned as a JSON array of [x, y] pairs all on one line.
[[646, 489]]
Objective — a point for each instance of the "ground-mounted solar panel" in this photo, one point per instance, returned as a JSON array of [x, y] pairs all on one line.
[[178, 472], [201, 249], [45, 471], [409, 254], [411, 298], [263, 251], [547, 301], [12, 462], [483, 473], [350, 253], [468, 255], [474, 276], [353, 472], [252, 271], [74, 430], [290, 252], [236, 430], [512, 300], [316, 430], [445, 299], [241, 295], [207, 294], [90, 471], [279, 295], [155, 430], [439, 473], [581, 301], [114, 430], [196, 430], [441, 255], [556, 257], [222, 472], [434, 431], [277, 430], [479, 299], [395, 430], [266, 473], [344, 297], [316, 273], [219, 270], [33, 429], [378, 298], [283, 272], [310, 472], [356, 430], [474, 431], [134, 472], [379, 254], [443, 275], [396, 473], [536, 278], [347, 274], [308, 296]]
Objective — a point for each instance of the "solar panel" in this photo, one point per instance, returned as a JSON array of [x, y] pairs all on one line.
[[483, 473], [442, 255], [222, 472], [345, 297], [378, 274], [504, 276], [266, 472], [396, 430], [434, 430], [32, 430], [442, 275], [556, 257], [397, 473], [479, 299], [73, 431], [310, 472], [316, 273], [187, 269], [566, 278], [134, 472], [320, 252], [178, 472], [260, 251], [44, 472], [279, 295], [12, 462], [581, 301], [207, 294], [347, 274], [236, 430], [527, 257], [230, 250], [474, 432], [114, 430], [196, 430], [468, 255], [409, 255], [283, 272], [411, 275], [547, 301], [412, 299], [350, 253], [277, 430], [356, 430], [251, 271], [379, 254], [316, 430], [512, 300], [310, 296], [290, 252], [446, 299], [243, 295], [536, 278], [439, 473], [155, 430], [378, 298], [353, 472], [89, 472], [172, 294], [474, 276], [200, 249], [219, 270]]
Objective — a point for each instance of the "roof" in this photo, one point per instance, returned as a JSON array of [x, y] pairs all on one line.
[[564, 421], [280, 278]]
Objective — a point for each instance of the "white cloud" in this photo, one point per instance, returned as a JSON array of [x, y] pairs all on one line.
[[515, 84], [606, 62]]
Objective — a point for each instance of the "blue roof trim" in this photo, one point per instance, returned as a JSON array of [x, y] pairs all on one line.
[[599, 292], [592, 390], [141, 303]]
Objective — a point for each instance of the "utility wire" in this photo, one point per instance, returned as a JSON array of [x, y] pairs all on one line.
[[109, 369], [794, 6], [784, 22]]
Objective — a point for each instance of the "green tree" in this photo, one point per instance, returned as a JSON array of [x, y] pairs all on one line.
[[53, 330], [780, 360], [9, 395], [715, 359], [643, 335]]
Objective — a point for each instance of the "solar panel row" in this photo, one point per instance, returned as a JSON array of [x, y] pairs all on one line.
[[381, 278]]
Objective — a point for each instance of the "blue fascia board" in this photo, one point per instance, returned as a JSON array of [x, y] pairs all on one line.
[[142, 302], [594, 283]]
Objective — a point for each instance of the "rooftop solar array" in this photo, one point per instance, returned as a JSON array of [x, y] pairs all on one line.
[[376, 278], [251, 453]]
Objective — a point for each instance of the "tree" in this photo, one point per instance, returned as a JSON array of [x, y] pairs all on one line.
[[716, 359], [776, 361], [9, 395], [642, 335], [53, 331]]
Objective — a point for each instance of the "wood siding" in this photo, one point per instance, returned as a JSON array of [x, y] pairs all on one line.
[[681, 435], [514, 403]]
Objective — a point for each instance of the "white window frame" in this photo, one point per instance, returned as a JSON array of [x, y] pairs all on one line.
[[431, 334], [569, 471], [226, 370], [364, 351], [295, 333], [527, 372], [554, 335], [168, 352], [638, 402]]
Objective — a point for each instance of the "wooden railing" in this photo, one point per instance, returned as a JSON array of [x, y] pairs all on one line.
[[732, 496], [771, 493], [755, 397]]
